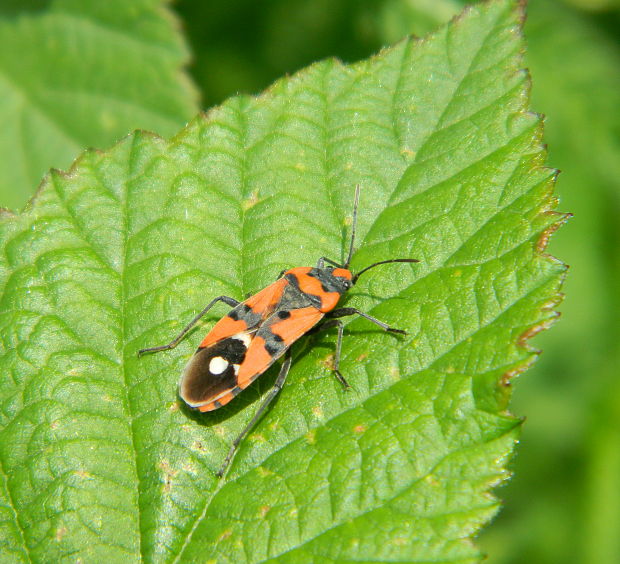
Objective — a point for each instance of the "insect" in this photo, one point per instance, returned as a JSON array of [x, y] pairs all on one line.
[[258, 331]]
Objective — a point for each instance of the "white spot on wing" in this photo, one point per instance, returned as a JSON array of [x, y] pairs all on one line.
[[218, 365], [244, 337]]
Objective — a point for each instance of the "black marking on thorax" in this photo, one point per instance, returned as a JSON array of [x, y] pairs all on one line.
[[329, 282], [294, 298]]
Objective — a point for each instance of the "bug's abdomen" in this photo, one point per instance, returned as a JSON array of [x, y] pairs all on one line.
[[212, 372], [276, 335]]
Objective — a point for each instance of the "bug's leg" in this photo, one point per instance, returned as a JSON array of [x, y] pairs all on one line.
[[336, 368], [321, 263], [344, 311], [229, 301], [277, 387]]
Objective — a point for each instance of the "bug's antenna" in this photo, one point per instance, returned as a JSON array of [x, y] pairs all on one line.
[[356, 276], [353, 225]]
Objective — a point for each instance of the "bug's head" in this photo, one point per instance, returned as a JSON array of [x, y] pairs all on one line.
[[340, 279]]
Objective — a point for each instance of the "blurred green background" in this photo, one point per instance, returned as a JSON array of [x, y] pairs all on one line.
[[563, 504]]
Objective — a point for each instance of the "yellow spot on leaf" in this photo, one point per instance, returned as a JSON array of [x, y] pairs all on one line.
[[60, 532], [168, 474], [251, 201], [328, 361], [189, 468], [197, 445]]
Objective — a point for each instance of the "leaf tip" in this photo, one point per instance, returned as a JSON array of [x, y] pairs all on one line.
[[543, 239]]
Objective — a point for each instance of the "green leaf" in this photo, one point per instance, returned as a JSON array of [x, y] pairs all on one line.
[[98, 459], [75, 74]]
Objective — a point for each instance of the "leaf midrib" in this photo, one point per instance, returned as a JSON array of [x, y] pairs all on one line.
[[5, 480], [123, 203]]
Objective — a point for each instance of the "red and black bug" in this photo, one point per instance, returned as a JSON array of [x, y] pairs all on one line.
[[257, 332]]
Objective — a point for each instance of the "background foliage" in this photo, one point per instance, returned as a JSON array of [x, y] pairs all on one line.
[[563, 503]]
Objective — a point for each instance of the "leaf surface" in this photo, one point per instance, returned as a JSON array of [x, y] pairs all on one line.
[[99, 460]]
